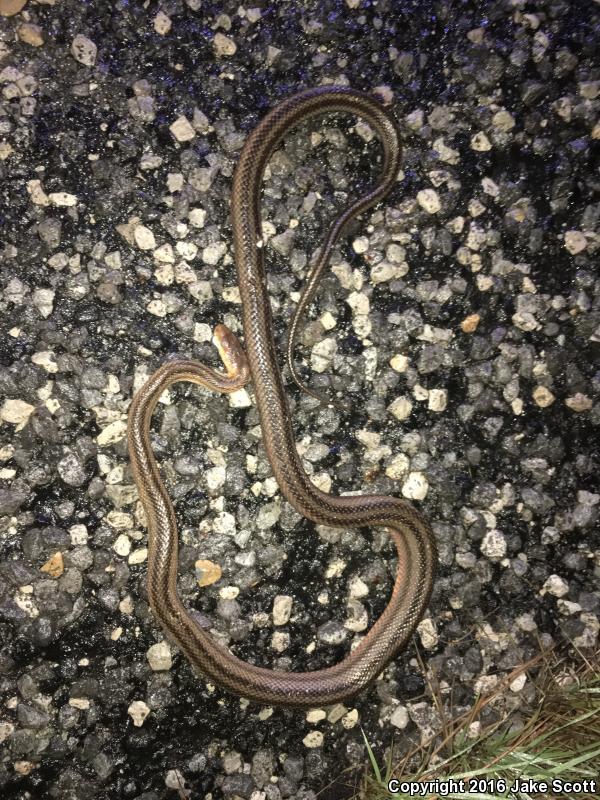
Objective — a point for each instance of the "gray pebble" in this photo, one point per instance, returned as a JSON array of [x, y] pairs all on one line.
[[32, 717], [239, 785], [71, 470], [228, 610], [49, 231], [12, 499], [332, 633], [263, 766]]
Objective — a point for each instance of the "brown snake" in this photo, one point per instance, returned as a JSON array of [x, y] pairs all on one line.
[[410, 531]]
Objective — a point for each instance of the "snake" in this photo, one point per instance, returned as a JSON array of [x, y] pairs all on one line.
[[409, 529]]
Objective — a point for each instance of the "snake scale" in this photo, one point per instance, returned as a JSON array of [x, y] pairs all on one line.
[[410, 531]]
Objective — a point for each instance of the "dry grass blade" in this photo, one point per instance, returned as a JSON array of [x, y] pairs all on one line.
[[560, 739]]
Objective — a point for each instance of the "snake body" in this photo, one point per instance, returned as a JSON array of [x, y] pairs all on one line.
[[410, 531]]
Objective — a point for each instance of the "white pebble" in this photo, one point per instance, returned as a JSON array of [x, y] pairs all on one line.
[[175, 780], [401, 408], [328, 321], [253, 14], [543, 397], [16, 412], [322, 354], [78, 534], [360, 245], [213, 253], [526, 622], [280, 641], [159, 656], [359, 619], [197, 217], [484, 283], [335, 568], [122, 545], [359, 303], [313, 739], [157, 308], [62, 199], [400, 718], [587, 498], [182, 129], [429, 200], [556, 586], [428, 633], [416, 486], [480, 142], [395, 253], [231, 294], [138, 711], [240, 399], [187, 250], [164, 254], [119, 520], [398, 467], [165, 274], [399, 363], [162, 23], [202, 332], [43, 300], [361, 325], [144, 238], [568, 608], [358, 588], [138, 556], [350, 719], [579, 402], [84, 50], [81, 703], [525, 321], [7, 728], [445, 153], [113, 433], [45, 359], [37, 193], [490, 187], [493, 545], [503, 120], [575, 242], [384, 272], [224, 45], [185, 274], [215, 479], [336, 713], [476, 208], [224, 523], [282, 609], [438, 399]]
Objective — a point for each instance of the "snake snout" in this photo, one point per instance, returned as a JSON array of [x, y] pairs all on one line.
[[232, 354]]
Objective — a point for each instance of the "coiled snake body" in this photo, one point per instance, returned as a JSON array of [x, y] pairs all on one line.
[[410, 531]]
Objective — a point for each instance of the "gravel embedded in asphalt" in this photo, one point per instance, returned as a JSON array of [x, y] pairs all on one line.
[[461, 320]]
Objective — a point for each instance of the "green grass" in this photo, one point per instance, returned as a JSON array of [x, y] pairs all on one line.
[[559, 738]]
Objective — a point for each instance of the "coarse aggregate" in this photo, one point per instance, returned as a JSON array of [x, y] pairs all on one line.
[[461, 319]]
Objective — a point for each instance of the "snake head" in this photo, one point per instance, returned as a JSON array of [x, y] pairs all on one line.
[[232, 354]]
